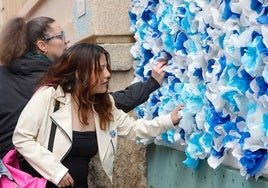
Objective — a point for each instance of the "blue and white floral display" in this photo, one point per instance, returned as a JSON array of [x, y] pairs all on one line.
[[217, 53]]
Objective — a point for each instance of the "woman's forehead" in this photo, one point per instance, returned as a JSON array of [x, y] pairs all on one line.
[[55, 28], [103, 59]]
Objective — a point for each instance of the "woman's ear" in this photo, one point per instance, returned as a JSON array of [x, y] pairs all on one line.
[[41, 45]]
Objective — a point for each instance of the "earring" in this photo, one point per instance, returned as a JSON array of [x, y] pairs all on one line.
[[45, 52], [66, 42]]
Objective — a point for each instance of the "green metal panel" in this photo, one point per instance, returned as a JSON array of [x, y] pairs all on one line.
[[166, 170]]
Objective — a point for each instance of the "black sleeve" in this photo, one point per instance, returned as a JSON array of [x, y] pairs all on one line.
[[134, 94]]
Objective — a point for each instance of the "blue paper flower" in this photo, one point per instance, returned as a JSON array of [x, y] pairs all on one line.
[[112, 133], [253, 161]]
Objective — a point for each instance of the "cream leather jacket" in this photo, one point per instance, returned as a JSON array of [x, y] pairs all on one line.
[[33, 129]]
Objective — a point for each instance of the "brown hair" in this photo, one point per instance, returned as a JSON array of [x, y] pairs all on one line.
[[73, 70], [19, 37]]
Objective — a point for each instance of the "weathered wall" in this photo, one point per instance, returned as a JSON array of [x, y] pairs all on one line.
[[105, 22]]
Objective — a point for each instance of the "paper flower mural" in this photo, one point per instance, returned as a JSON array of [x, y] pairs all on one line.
[[217, 54]]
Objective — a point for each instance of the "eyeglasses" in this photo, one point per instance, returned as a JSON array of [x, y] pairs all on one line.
[[60, 36]]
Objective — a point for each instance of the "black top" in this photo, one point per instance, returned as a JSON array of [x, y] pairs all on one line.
[[84, 147], [17, 84]]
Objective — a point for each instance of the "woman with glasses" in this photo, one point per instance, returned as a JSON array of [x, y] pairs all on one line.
[[27, 49]]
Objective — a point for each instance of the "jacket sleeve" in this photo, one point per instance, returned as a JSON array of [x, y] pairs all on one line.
[[132, 128], [26, 135], [134, 94]]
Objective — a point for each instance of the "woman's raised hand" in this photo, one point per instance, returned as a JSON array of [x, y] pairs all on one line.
[[175, 117]]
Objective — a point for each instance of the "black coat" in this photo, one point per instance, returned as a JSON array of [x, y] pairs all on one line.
[[134, 94], [17, 84]]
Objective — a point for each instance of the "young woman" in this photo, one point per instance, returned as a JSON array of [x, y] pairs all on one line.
[[27, 49], [87, 120]]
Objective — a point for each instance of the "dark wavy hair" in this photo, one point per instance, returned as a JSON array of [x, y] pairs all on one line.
[[73, 70], [19, 37]]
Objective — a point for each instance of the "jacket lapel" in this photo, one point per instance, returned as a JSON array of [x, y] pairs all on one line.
[[63, 119], [103, 138], [63, 116], [106, 148]]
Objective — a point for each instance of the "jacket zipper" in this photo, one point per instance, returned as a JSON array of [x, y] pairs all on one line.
[[67, 137], [112, 145]]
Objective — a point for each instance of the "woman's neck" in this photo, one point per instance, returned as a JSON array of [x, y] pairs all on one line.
[[76, 121]]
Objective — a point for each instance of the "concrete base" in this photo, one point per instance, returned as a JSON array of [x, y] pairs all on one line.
[[165, 169]]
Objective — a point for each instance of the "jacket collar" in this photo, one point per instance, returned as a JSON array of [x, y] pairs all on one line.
[[61, 96], [26, 65]]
